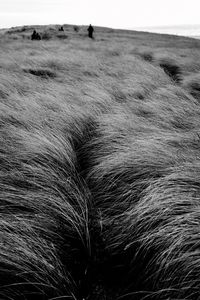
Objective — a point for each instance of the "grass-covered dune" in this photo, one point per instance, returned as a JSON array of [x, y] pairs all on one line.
[[100, 165]]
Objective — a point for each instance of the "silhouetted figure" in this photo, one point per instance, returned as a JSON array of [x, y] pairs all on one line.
[[90, 31], [76, 28], [61, 28], [35, 36], [38, 37]]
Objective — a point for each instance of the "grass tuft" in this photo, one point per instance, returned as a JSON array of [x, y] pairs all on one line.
[[40, 72], [146, 55]]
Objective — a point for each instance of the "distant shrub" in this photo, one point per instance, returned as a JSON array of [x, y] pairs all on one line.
[[40, 72], [171, 69]]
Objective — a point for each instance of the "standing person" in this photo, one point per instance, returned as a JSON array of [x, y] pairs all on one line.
[[34, 34], [38, 36], [90, 31]]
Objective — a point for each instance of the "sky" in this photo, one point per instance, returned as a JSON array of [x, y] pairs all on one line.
[[123, 14]]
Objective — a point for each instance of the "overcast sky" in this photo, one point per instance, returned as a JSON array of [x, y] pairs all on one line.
[[111, 13]]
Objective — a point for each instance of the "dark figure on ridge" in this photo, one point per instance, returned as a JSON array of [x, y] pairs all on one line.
[[38, 36], [90, 31], [35, 35], [61, 28]]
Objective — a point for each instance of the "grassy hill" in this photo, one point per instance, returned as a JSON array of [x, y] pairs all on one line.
[[100, 165]]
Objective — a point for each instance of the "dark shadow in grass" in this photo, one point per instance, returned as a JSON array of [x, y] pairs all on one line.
[[89, 73], [195, 90], [171, 69], [62, 36], [113, 53], [43, 73], [3, 94], [147, 56], [139, 96], [192, 85]]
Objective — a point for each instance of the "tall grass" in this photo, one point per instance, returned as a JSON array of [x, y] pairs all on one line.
[[99, 179]]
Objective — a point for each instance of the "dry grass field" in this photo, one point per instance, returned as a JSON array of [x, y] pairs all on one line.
[[100, 165]]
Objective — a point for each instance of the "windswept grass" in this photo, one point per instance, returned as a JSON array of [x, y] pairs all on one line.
[[99, 153], [171, 69], [192, 85]]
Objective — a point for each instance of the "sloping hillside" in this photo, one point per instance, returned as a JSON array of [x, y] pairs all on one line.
[[100, 165]]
